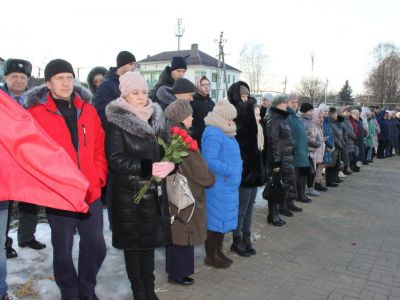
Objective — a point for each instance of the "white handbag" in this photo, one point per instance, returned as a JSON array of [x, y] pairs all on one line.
[[180, 195]]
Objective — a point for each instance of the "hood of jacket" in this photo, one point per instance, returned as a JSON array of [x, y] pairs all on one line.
[[93, 72], [38, 95], [165, 77], [284, 114], [234, 92], [118, 115]]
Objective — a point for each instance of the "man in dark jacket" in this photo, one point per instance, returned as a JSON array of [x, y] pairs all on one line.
[[109, 89], [202, 104], [167, 78], [75, 126], [16, 77]]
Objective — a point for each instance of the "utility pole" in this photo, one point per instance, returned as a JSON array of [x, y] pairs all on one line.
[[77, 71], [221, 60], [179, 32], [326, 89], [312, 65], [284, 84]]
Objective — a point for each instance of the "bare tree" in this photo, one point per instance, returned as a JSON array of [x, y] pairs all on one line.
[[384, 79], [252, 62], [312, 88]]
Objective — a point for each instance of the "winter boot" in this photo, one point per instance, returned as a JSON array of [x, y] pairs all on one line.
[[310, 191], [283, 209], [238, 246], [247, 243], [320, 187], [10, 251], [346, 171], [212, 259], [292, 207], [220, 243], [273, 216]]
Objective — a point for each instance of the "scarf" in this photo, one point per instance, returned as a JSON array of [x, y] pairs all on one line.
[[198, 85], [260, 137], [143, 113], [215, 120]]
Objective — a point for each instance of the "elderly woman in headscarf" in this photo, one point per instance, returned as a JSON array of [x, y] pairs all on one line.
[[318, 118], [202, 104]]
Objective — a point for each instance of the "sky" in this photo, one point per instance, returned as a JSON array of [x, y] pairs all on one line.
[[341, 34]]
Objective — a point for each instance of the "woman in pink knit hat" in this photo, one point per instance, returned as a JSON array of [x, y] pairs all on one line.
[[134, 157]]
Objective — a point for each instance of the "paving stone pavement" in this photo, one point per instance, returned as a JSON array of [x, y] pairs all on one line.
[[344, 245]]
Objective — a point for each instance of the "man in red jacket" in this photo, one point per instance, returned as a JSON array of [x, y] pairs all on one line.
[[76, 127]]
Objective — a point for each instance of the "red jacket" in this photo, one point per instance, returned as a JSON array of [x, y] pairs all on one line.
[[90, 156], [31, 163]]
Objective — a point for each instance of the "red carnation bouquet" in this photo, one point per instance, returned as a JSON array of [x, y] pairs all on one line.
[[175, 151]]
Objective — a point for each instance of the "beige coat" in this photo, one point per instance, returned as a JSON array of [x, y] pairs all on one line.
[[195, 169]]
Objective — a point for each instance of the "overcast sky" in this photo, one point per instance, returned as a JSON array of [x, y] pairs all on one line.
[[340, 33]]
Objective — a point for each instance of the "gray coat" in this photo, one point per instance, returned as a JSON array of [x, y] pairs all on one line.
[[348, 135]]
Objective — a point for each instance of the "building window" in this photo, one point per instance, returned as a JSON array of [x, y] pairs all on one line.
[[213, 94], [214, 77], [233, 78], [198, 74], [229, 78], [223, 94]]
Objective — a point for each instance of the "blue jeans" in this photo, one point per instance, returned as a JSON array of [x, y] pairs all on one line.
[[3, 263], [247, 197]]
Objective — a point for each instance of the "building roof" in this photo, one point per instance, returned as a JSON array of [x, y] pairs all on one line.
[[193, 57]]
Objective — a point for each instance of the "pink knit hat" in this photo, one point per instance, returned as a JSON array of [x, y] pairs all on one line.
[[131, 81]]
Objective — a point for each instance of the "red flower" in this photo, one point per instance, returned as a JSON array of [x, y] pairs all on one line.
[[193, 146], [175, 130], [188, 140], [184, 133]]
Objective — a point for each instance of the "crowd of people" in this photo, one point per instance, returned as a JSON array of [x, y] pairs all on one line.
[[112, 134]]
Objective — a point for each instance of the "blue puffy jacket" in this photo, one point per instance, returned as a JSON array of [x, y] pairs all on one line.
[[330, 140], [222, 154]]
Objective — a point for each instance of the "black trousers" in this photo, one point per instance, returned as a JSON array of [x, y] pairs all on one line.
[[92, 249], [300, 183], [140, 269], [27, 221], [179, 261]]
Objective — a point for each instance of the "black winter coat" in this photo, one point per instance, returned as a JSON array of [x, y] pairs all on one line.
[[253, 174], [105, 93], [279, 148], [164, 80], [201, 107], [131, 149]]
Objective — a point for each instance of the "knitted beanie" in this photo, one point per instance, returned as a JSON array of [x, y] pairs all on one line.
[[183, 86], [332, 110], [131, 81], [178, 62], [267, 96], [225, 110], [244, 90], [57, 66], [305, 107], [178, 110], [124, 58], [323, 107]]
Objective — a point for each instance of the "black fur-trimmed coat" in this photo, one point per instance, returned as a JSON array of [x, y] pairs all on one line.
[[253, 174], [131, 148]]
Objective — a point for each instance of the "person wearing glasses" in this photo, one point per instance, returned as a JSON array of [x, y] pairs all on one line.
[[202, 104]]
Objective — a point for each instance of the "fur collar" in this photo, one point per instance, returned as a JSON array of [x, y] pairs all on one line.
[[127, 121], [38, 95], [284, 114]]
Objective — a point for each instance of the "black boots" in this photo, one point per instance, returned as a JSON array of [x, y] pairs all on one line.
[[329, 176], [213, 242], [320, 187], [239, 247], [10, 251], [283, 209], [247, 243], [273, 215], [292, 207]]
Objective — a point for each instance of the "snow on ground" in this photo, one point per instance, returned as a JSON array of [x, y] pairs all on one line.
[[35, 267]]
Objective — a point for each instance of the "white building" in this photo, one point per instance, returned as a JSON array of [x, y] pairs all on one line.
[[198, 64]]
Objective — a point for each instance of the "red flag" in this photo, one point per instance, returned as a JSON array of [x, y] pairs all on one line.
[[33, 167]]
